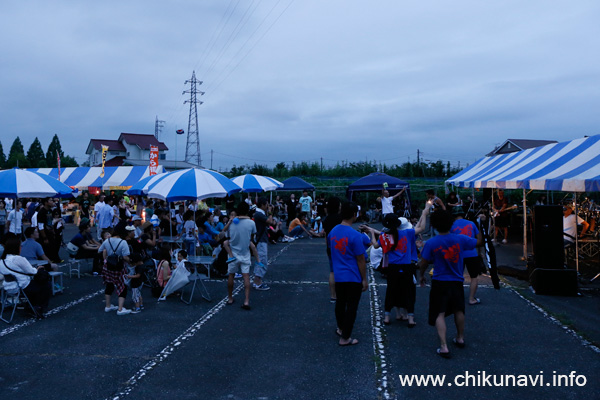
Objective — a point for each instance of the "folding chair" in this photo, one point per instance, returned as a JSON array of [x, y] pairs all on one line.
[[194, 278], [11, 295]]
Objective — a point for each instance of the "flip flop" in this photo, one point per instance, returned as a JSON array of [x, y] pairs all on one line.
[[458, 344], [412, 325], [228, 303], [246, 306], [443, 355], [338, 332], [352, 342], [477, 301]]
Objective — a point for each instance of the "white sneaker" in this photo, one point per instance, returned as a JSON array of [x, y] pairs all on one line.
[[111, 308], [124, 311], [504, 241]]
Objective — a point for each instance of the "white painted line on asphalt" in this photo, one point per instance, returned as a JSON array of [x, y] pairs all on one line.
[[178, 341], [56, 310], [381, 363], [555, 321]]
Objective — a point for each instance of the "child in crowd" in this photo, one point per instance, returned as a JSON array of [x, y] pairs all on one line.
[[135, 276], [181, 258]]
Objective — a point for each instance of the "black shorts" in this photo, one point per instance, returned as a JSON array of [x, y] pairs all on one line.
[[474, 266], [501, 221], [445, 297]]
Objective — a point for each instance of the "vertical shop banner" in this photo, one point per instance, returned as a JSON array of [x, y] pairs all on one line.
[[104, 151], [153, 160], [58, 163]]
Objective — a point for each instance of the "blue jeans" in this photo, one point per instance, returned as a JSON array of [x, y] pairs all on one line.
[[297, 231]]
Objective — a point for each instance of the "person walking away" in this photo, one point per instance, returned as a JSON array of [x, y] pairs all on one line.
[[114, 280], [262, 221], [136, 271], [446, 297], [240, 237], [3, 218], [332, 219], [400, 248], [350, 273], [472, 260]]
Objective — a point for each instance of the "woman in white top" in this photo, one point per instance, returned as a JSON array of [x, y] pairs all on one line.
[[37, 290]]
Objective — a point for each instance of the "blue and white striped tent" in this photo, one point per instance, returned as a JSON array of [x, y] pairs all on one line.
[[84, 177], [568, 166]]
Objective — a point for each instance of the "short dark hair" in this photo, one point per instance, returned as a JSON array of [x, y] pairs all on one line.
[[243, 208], [29, 232], [183, 253], [165, 252], [441, 221], [261, 201], [349, 210], [12, 246], [136, 258], [430, 191], [333, 205]]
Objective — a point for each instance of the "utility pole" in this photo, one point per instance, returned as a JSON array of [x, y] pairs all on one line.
[[418, 160], [192, 149], [158, 125], [211, 158], [321, 165]]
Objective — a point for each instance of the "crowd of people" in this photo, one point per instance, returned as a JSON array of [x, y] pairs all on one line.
[[134, 236]]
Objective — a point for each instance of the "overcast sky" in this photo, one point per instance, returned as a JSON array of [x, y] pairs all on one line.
[[300, 80]]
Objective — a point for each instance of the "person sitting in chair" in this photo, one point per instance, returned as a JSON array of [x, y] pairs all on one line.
[[32, 250], [88, 246]]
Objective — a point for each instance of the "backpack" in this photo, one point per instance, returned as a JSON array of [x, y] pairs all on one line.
[[114, 262]]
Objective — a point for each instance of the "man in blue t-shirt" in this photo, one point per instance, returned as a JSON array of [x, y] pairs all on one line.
[[349, 270], [447, 297], [472, 260]]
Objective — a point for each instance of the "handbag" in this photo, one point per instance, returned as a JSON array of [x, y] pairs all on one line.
[[72, 249]]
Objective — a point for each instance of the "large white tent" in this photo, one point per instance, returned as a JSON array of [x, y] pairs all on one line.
[[572, 166], [84, 177]]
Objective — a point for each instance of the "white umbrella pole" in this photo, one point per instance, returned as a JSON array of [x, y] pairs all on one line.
[[576, 235], [524, 225]]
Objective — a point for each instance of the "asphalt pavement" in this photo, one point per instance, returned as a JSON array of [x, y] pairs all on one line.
[[286, 348]]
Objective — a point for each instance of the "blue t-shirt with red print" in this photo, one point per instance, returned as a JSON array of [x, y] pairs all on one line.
[[465, 227], [404, 252], [447, 253], [346, 244]]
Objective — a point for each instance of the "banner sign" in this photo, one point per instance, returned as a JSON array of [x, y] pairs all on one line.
[[153, 160], [104, 151]]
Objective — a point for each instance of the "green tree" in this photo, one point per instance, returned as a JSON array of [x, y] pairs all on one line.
[[35, 154], [2, 157], [54, 146], [68, 161], [17, 160], [16, 148]]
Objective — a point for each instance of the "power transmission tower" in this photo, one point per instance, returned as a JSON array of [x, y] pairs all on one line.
[[192, 149], [158, 125]]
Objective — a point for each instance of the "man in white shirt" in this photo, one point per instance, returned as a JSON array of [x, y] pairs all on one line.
[[97, 207], [14, 221], [386, 200], [570, 222]]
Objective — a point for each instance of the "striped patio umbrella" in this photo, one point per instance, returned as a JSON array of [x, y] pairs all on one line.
[[256, 183], [20, 183], [142, 187], [192, 184]]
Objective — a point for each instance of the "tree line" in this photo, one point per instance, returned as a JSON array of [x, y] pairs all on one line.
[[35, 156], [417, 169]]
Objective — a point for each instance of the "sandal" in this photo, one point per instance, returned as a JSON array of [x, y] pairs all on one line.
[[351, 342], [444, 354], [460, 345]]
